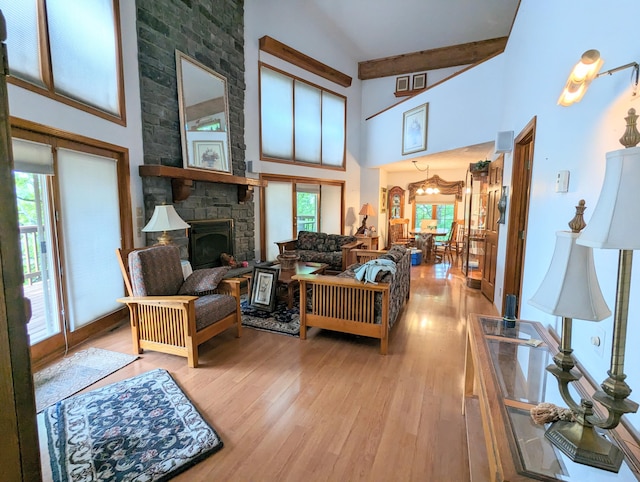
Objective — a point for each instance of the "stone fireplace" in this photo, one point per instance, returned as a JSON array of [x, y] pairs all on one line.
[[208, 240]]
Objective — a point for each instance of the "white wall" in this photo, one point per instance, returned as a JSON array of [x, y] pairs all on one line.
[[298, 25], [33, 107], [462, 111], [572, 138], [378, 94], [505, 93]]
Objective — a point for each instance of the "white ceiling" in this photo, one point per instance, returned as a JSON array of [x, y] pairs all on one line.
[[419, 25], [415, 24]]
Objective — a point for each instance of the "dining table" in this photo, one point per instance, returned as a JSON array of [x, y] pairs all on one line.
[[425, 241]]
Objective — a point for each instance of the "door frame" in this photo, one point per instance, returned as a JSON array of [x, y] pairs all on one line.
[[522, 167]]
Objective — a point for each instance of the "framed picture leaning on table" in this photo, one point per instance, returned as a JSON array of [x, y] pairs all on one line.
[[263, 288]]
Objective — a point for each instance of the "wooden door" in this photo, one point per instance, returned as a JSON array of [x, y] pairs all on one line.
[[494, 189], [19, 451], [518, 213]]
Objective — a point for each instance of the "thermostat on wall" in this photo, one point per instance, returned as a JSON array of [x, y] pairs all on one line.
[[562, 181]]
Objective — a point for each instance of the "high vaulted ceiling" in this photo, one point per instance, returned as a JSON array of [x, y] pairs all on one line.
[[377, 29]]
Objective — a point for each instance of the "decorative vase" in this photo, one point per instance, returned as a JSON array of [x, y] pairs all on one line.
[[288, 260]]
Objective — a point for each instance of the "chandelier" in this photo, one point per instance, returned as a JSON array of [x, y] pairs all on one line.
[[425, 188]]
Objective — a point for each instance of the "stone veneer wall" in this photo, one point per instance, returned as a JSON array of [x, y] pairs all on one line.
[[212, 32]]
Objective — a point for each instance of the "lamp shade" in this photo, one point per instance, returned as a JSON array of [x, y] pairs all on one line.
[[570, 288], [613, 224], [165, 218], [367, 210]]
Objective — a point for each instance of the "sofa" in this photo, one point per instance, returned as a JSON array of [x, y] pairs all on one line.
[[332, 249], [344, 303]]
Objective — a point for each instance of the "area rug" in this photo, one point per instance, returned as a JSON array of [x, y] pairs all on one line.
[[140, 429], [282, 320], [72, 374]]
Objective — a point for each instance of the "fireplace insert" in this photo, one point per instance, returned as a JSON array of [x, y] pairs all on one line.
[[208, 239]]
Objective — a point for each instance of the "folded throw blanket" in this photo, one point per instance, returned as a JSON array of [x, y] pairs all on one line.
[[370, 269]]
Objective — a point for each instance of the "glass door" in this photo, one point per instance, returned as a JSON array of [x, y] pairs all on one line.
[[38, 262], [307, 206]]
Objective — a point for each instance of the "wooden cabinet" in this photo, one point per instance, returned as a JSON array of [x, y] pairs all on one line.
[[475, 218], [370, 242], [505, 376]]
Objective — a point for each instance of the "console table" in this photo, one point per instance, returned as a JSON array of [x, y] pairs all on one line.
[[505, 376]]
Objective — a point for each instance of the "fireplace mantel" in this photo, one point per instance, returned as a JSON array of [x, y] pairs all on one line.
[[182, 180]]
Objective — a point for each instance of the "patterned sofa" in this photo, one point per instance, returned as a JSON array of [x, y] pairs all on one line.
[[333, 249], [343, 303]]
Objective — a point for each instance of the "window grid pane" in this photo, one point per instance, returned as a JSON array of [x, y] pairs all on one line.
[[307, 118], [83, 51], [276, 114], [23, 42]]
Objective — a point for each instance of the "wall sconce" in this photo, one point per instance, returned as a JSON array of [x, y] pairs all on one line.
[[165, 218], [584, 72]]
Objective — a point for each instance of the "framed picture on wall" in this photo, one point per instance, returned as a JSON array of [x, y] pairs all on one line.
[[419, 81], [402, 83], [383, 199], [414, 129]]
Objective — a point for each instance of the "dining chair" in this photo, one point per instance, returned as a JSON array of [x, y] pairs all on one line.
[[444, 248], [399, 233]]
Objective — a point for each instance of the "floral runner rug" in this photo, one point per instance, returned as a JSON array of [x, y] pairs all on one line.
[[143, 429], [72, 374]]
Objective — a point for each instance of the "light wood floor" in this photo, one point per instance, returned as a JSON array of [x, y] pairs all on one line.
[[331, 407]]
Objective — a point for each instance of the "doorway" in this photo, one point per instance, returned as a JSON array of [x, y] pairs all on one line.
[[519, 212]]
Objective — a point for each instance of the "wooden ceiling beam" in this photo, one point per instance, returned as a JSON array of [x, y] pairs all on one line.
[[293, 56], [455, 55]]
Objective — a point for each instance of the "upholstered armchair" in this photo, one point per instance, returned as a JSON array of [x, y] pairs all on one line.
[[173, 315]]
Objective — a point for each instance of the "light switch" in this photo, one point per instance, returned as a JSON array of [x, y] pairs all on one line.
[[562, 181]]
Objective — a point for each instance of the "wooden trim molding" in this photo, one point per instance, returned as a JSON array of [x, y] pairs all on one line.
[[293, 56], [439, 58]]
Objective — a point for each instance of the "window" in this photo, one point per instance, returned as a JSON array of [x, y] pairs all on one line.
[[67, 50], [301, 122], [445, 214]]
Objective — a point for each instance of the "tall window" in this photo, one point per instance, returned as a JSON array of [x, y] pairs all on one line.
[[301, 122], [444, 213], [67, 49]]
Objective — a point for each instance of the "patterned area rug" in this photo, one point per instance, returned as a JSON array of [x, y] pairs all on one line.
[[140, 429], [70, 375], [281, 320]]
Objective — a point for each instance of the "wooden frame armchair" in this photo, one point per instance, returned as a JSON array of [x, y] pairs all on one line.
[[175, 323]]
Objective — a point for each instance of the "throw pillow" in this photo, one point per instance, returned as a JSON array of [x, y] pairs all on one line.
[[202, 281]]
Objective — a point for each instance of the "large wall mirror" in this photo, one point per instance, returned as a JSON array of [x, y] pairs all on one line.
[[204, 116]]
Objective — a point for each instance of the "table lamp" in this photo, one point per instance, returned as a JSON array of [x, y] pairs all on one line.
[[165, 218], [366, 210]]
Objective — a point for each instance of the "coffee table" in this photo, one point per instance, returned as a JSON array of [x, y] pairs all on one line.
[[301, 267]]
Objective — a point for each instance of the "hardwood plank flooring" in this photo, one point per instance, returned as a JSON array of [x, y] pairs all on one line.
[[331, 407]]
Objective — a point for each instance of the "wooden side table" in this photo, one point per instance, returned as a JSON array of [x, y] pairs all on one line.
[[505, 376], [370, 242]]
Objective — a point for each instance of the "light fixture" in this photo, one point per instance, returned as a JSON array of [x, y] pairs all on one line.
[[570, 289], [165, 218], [425, 188], [585, 71], [366, 210]]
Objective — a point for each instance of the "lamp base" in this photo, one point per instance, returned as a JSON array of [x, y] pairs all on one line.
[[584, 445], [164, 239]]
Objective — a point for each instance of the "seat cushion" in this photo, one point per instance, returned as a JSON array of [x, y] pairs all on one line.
[[203, 281], [156, 271], [212, 308]]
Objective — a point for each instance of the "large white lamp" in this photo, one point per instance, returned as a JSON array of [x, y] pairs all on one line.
[[165, 218], [570, 289]]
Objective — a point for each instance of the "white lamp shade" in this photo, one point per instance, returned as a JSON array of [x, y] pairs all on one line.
[[570, 288], [613, 224], [165, 218]]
